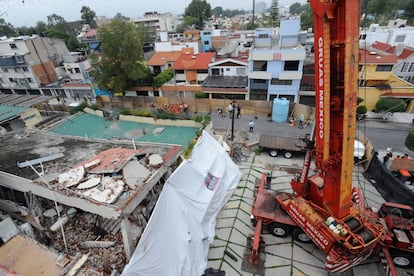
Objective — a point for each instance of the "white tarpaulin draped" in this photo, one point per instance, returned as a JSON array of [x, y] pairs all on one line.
[[182, 226]]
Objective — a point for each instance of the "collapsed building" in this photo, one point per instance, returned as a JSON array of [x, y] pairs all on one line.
[[86, 199]]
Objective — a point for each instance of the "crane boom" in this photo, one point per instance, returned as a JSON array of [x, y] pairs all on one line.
[[336, 74]]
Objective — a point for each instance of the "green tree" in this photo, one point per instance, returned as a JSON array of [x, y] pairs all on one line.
[[40, 27], [6, 29], [409, 140], [217, 11], [390, 105], [274, 13], [88, 16], [121, 65], [306, 17], [56, 22], [199, 9], [295, 8]]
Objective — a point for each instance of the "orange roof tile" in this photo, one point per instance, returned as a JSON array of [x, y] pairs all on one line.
[[193, 61], [406, 53], [374, 58], [90, 33], [381, 46], [162, 58]]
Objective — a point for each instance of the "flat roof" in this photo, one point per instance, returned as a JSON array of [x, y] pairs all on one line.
[[60, 154]]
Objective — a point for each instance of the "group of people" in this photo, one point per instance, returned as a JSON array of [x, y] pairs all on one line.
[[231, 110]]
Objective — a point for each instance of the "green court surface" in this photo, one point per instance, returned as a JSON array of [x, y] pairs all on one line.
[[92, 126]]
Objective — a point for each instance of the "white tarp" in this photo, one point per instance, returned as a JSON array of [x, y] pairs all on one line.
[[182, 226]]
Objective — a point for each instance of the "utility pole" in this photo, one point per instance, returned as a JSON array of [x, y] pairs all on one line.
[[254, 4], [232, 121]]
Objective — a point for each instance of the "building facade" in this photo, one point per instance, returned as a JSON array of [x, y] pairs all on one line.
[[275, 63]]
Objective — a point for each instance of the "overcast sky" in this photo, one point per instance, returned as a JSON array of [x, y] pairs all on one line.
[[28, 12]]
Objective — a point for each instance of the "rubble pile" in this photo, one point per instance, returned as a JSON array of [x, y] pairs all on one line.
[[79, 230]]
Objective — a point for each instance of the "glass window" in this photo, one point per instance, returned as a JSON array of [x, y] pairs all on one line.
[[404, 67], [400, 38], [411, 69], [259, 65], [281, 82], [291, 65], [241, 71], [384, 68]]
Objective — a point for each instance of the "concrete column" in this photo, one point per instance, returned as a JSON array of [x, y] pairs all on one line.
[[127, 238]]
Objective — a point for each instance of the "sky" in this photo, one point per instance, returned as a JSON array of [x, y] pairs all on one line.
[[29, 12]]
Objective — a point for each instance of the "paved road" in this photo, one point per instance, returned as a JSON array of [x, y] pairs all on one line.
[[382, 134]]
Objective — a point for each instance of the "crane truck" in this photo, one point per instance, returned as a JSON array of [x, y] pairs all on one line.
[[324, 207]]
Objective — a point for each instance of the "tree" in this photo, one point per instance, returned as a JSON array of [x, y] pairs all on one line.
[[121, 65], [88, 16], [217, 11], [56, 22], [390, 105], [295, 8], [306, 17], [199, 9], [274, 12], [6, 29]]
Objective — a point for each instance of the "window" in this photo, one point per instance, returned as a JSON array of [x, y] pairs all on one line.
[[362, 37], [179, 71], [280, 82], [362, 83], [259, 81], [241, 71], [263, 35], [404, 67], [29, 80], [77, 70], [259, 65], [384, 68], [5, 70], [206, 42], [19, 59], [25, 69], [12, 80], [215, 72], [227, 69], [307, 87], [359, 67], [13, 46], [1, 80], [17, 70], [411, 69], [207, 33], [291, 65], [400, 38], [202, 71]]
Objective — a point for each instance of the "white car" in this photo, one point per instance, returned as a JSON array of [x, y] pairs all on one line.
[[359, 151]]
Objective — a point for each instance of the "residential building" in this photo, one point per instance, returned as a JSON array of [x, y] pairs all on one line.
[[28, 64], [395, 33], [275, 63], [207, 36], [159, 22], [227, 79], [90, 38], [161, 61], [170, 46], [376, 79], [405, 64], [192, 68], [191, 35]]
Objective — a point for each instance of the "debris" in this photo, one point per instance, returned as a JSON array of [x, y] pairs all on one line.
[[97, 244]]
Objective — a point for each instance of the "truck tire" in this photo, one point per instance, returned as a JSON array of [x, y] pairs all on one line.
[[300, 236], [273, 152], [402, 259], [287, 154], [279, 229]]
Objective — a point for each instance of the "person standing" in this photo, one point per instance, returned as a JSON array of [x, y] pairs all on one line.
[[230, 109], [251, 126], [238, 110]]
